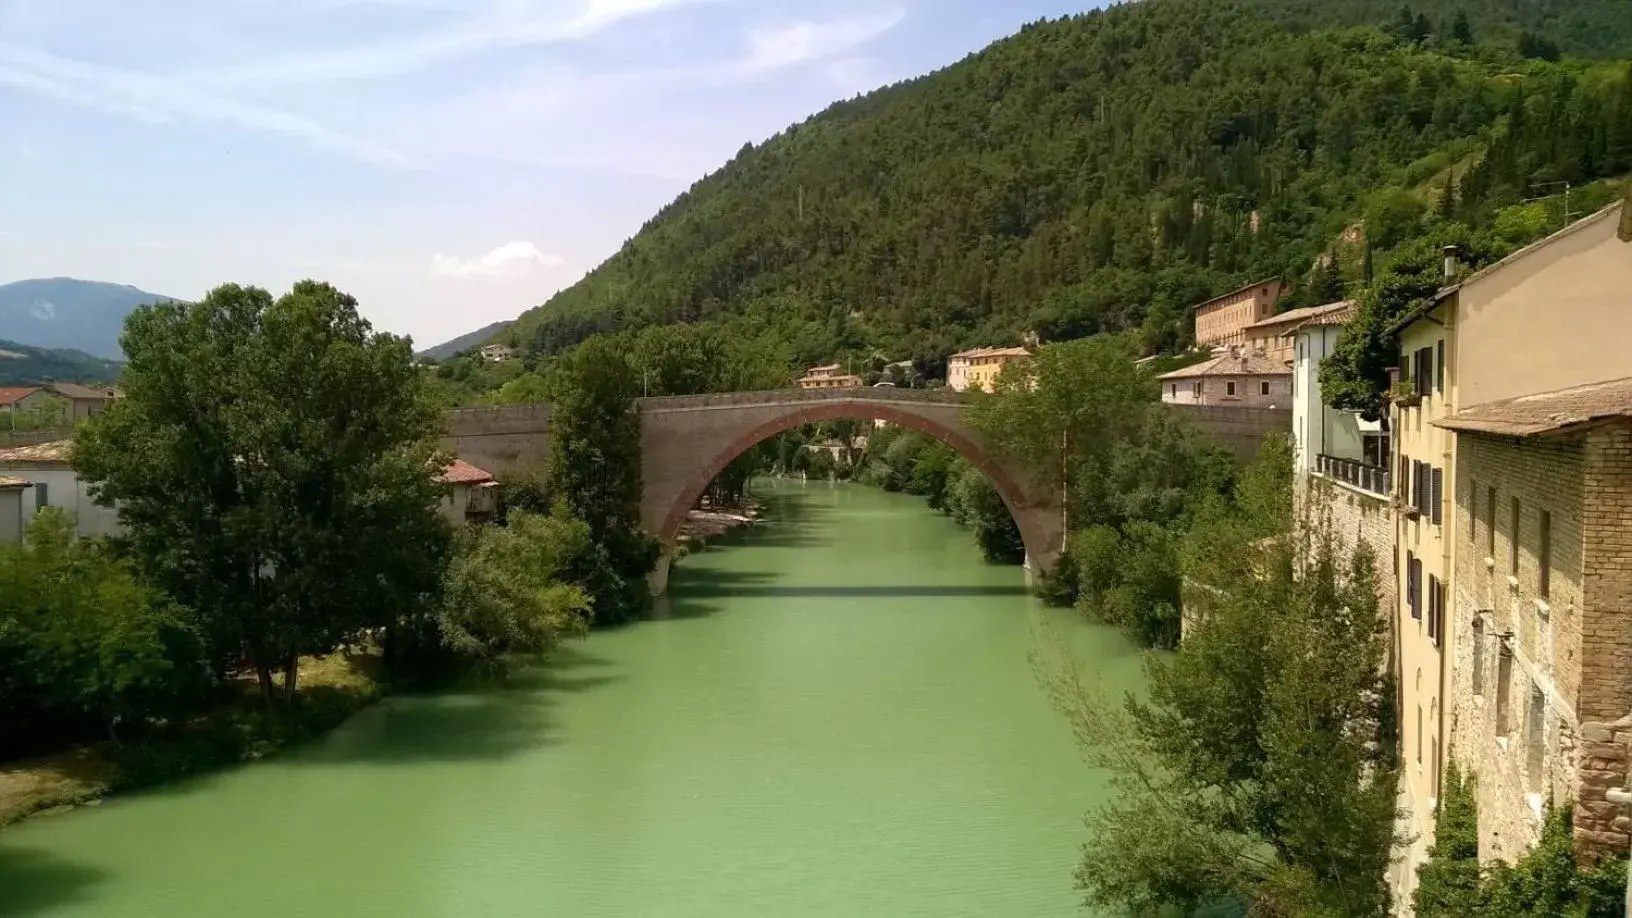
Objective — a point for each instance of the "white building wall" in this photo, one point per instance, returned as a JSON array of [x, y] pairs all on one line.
[[62, 488], [1318, 429]]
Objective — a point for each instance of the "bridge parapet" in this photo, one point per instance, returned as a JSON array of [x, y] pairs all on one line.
[[788, 396]]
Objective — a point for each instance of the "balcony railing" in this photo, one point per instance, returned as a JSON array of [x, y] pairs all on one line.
[[1373, 478]]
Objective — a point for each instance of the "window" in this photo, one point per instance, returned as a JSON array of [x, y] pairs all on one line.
[[1263, 388], [1544, 583], [42, 493], [1435, 611], [1535, 738], [1413, 495], [1478, 655], [1504, 677], [1419, 722], [1490, 525], [1413, 585], [1433, 769], [1513, 540], [1229, 388], [1439, 368], [1438, 496], [1473, 512], [1425, 370], [1173, 390], [1196, 389]]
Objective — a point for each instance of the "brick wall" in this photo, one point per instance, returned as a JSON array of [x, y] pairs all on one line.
[[1570, 648]]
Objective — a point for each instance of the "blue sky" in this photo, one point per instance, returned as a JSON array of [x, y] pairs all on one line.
[[450, 162]]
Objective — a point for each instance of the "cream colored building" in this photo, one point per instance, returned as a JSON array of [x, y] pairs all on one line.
[[829, 377], [1275, 336], [1513, 488], [979, 368], [1224, 320]]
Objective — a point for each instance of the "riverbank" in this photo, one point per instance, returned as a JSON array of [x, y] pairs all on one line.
[[239, 730], [704, 526]]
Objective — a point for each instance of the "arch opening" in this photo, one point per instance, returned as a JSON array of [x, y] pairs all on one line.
[[1013, 495]]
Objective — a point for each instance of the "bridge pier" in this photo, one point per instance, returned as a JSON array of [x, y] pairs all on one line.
[[657, 581]]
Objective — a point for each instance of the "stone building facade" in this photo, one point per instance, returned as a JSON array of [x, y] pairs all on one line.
[[1222, 321], [1543, 665], [1241, 380]]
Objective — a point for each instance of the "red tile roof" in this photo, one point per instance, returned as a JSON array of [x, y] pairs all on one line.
[[461, 472], [10, 395], [1330, 314]]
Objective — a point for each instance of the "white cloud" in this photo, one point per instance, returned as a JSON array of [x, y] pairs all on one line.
[[506, 26], [513, 259], [802, 42], [154, 99]]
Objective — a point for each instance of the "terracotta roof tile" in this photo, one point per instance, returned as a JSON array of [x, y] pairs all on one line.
[[55, 451], [1546, 412], [995, 352], [75, 390], [1251, 365], [461, 472], [1309, 315], [10, 395], [8, 483]]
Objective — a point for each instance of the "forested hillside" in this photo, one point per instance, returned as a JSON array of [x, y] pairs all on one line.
[[1103, 172]]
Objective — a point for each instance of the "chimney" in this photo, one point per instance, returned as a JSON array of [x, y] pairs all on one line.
[[1452, 263]]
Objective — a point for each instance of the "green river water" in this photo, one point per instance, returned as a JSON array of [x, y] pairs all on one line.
[[835, 717]]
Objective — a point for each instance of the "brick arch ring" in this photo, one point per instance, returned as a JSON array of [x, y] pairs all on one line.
[[1014, 497]]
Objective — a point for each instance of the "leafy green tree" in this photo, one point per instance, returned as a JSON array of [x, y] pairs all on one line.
[[1448, 883], [1255, 771], [594, 470], [273, 462], [1328, 286], [976, 503], [1462, 28], [82, 641], [506, 593], [50, 411]]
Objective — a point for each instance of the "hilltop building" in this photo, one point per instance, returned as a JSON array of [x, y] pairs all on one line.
[[828, 377], [979, 368], [1223, 321]]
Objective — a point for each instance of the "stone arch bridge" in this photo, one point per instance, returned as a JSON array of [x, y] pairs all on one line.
[[687, 440]]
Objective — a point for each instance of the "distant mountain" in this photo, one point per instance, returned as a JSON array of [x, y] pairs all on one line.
[[62, 312], [465, 342], [21, 364]]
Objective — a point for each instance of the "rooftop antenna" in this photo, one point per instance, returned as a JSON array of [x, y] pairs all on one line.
[[1568, 187]]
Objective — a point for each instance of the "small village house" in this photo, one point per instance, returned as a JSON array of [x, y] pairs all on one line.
[[55, 484], [13, 497], [1240, 378], [18, 401], [497, 353], [1274, 337], [83, 401], [471, 495], [830, 376], [1222, 321], [979, 368]]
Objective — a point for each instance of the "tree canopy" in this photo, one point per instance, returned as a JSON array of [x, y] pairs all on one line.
[[274, 465]]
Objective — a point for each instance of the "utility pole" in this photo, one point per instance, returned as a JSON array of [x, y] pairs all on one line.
[[1567, 189]]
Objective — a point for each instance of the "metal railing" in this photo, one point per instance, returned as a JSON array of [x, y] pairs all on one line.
[[1373, 478]]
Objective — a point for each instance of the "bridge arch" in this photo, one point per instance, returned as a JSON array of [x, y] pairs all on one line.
[[687, 442]]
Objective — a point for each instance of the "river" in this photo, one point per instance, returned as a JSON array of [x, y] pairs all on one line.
[[836, 716]]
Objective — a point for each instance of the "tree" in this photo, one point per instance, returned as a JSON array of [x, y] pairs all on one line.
[[1448, 882], [1255, 772], [273, 463], [594, 470], [507, 594], [1461, 28], [1328, 286], [82, 640]]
